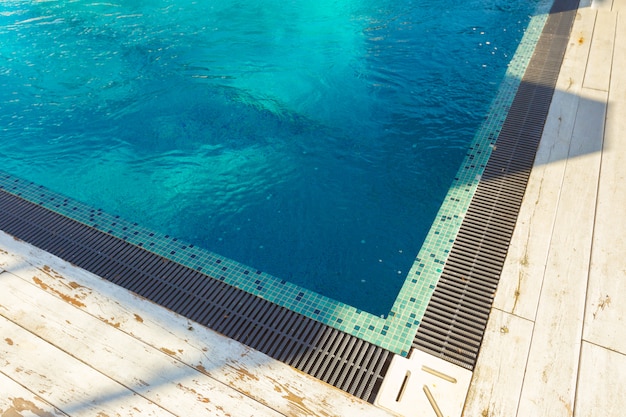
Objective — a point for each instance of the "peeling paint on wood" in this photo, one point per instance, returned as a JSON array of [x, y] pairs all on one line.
[[168, 351], [75, 285], [75, 302], [20, 404], [194, 392], [111, 322], [243, 373]]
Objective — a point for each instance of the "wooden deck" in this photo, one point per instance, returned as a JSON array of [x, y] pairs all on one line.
[[556, 338], [74, 344]]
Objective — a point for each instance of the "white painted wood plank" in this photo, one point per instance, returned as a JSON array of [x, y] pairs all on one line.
[[598, 72], [577, 52], [587, 138], [73, 387], [144, 369], [605, 320], [17, 401], [271, 382], [523, 271], [601, 383], [618, 73], [522, 275], [619, 5], [499, 372], [550, 381]]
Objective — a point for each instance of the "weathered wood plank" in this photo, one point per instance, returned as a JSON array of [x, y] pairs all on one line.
[[17, 401], [601, 382], [605, 320], [550, 381], [499, 372], [522, 275], [73, 387], [619, 5], [577, 52], [618, 77], [601, 55], [271, 382], [141, 368]]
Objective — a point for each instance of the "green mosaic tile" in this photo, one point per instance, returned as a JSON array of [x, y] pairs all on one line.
[[394, 331]]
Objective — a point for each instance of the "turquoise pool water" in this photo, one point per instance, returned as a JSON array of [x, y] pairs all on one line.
[[313, 140]]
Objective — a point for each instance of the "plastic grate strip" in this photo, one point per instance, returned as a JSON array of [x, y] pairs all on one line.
[[456, 317]]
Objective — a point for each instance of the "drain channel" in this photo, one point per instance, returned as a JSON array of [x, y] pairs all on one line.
[[456, 317]]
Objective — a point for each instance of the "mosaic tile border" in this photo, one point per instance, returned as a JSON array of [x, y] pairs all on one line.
[[396, 331]]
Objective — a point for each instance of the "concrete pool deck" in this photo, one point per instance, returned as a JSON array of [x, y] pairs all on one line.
[[73, 344]]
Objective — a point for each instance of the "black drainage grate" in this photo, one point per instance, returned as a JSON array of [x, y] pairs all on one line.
[[455, 320]]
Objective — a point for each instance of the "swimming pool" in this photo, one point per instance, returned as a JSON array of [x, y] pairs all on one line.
[[305, 152]]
